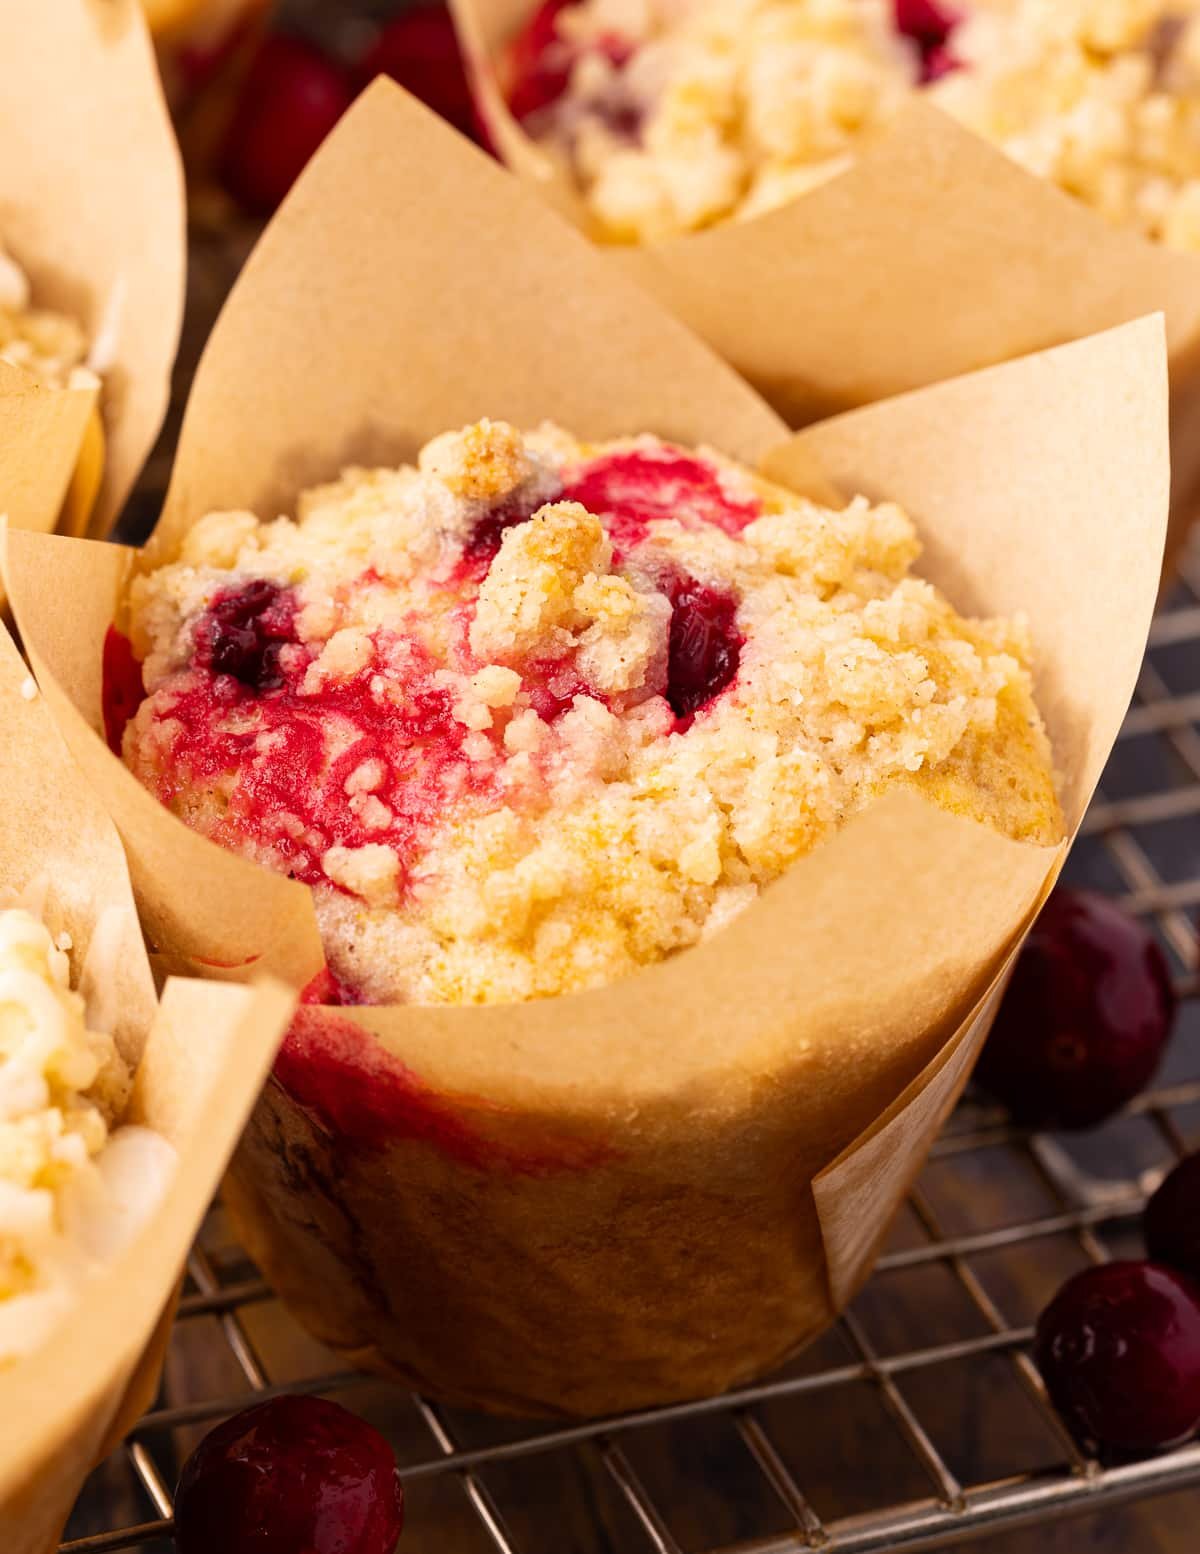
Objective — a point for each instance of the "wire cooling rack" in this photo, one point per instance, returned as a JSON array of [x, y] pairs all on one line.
[[919, 1422]]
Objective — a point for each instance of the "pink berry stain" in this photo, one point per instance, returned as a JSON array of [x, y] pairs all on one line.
[[294, 1475], [632, 489], [342, 1076]]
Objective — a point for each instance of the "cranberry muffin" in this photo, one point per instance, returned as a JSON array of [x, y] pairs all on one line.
[[676, 114], [532, 713]]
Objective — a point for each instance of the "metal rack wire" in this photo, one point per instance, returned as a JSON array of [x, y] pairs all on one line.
[[919, 1423]]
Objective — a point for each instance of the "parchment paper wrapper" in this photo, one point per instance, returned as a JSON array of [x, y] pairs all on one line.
[[932, 255], [661, 1187], [200, 1058], [91, 204]]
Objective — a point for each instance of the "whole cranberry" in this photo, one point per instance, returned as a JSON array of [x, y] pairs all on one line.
[[1085, 1019], [704, 646], [1119, 1350], [419, 49], [296, 1475], [1172, 1219], [293, 95]]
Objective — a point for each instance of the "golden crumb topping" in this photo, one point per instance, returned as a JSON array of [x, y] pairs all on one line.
[[50, 346], [522, 735], [675, 114], [67, 1194]]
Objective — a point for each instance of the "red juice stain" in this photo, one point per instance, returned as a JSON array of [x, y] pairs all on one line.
[[344, 1078], [632, 489], [121, 688], [704, 646], [290, 753]]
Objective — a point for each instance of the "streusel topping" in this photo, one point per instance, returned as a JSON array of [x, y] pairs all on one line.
[[675, 114], [71, 1190], [48, 345], [535, 713]]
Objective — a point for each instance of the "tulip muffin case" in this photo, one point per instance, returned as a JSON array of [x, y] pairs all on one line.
[[662, 1187]]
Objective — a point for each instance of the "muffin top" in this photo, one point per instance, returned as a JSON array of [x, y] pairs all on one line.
[[676, 114], [71, 1191], [535, 713], [50, 346]]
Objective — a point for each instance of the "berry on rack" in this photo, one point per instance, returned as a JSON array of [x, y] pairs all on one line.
[[1085, 1019], [296, 1475], [1172, 1219], [1119, 1350]]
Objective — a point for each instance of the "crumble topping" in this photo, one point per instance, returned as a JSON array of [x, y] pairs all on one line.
[[535, 713], [72, 1192], [50, 346], [675, 114]]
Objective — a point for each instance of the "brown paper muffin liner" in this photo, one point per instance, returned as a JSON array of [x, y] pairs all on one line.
[[661, 1187], [944, 256], [200, 1059], [92, 207]]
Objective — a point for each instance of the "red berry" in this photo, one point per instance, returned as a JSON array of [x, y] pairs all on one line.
[[1119, 1350], [926, 22], [1172, 1219], [1085, 1019], [292, 97], [420, 50], [243, 633], [929, 24], [296, 1475], [704, 646]]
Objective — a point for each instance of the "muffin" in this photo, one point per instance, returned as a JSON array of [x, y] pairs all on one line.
[[677, 114], [75, 1186], [532, 714], [655, 1185]]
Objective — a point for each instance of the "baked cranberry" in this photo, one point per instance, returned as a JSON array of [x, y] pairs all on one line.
[[929, 24], [244, 633], [293, 95], [1119, 1350], [419, 49], [1085, 1019], [704, 646], [296, 1475], [1172, 1219], [484, 539], [926, 22]]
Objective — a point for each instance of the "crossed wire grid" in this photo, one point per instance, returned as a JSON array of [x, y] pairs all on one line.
[[920, 1422]]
